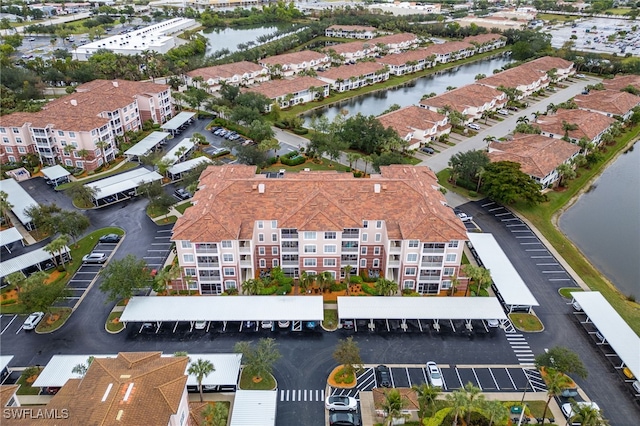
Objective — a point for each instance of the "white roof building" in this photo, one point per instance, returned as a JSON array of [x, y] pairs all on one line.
[[254, 408], [19, 200]]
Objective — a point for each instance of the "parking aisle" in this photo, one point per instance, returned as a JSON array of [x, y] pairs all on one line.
[[10, 324], [160, 248]]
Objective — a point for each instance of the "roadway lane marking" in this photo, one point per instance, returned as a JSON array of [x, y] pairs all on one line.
[[547, 264], [10, 322]]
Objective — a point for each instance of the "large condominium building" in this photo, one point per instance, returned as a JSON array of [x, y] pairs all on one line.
[[79, 130], [395, 225]]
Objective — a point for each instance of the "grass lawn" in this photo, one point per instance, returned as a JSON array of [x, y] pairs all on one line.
[[534, 408], [26, 379], [114, 326], [129, 165], [330, 320], [324, 165], [550, 16], [61, 316], [526, 322], [166, 220], [566, 291], [618, 11], [247, 383], [155, 211], [182, 207]]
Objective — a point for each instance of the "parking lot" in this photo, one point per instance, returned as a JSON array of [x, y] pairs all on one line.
[[594, 35]]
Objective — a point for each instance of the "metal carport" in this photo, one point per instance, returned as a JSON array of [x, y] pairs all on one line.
[[508, 284], [19, 199], [173, 126], [180, 151], [427, 308], [254, 408], [9, 236], [617, 333], [27, 260], [118, 185], [59, 369], [57, 174], [159, 309], [146, 145], [226, 375], [175, 172]]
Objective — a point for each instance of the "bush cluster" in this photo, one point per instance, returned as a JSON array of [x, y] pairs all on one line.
[[292, 158]]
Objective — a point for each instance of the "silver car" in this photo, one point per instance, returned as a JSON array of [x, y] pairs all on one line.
[[434, 373], [341, 403], [32, 320]]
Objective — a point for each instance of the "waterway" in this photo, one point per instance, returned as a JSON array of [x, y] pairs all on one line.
[[230, 38], [375, 103], [605, 222]]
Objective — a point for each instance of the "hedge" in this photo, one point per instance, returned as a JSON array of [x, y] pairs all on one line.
[[338, 287], [296, 161], [438, 418], [370, 290], [355, 279], [300, 131]]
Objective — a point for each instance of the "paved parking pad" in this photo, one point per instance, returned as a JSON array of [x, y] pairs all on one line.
[[10, 323]]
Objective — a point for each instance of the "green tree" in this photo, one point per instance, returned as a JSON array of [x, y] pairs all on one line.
[[393, 405], [563, 360], [506, 183], [586, 415], [479, 275], [35, 295], [83, 367], [56, 247], [347, 277], [200, 369], [252, 287], [81, 194], [43, 217], [258, 361], [565, 171], [71, 223], [458, 400], [5, 207], [427, 396], [162, 280], [122, 277], [473, 400], [347, 353], [495, 411], [352, 158], [215, 415], [467, 164], [556, 382], [386, 287]]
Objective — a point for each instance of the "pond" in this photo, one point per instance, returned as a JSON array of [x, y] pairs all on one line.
[[410, 93], [603, 223], [230, 38]]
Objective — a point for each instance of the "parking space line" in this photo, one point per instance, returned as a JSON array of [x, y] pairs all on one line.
[[527, 236], [507, 220], [10, 322], [495, 382], [520, 230], [559, 279], [408, 377], [487, 204], [501, 214], [459, 379], [162, 237], [543, 249], [541, 257], [473, 370], [496, 208], [516, 224], [299, 394], [164, 230], [510, 378], [554, 272], [547, 264]]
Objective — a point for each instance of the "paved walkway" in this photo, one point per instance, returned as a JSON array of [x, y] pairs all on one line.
[[26, 236]]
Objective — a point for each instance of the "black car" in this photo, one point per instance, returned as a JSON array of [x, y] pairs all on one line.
[[110, 238], [427, 150], [383, 376], [182, 193], [343, 419]]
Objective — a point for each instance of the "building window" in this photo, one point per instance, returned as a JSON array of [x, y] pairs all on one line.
[[378, 238], [230, 284], [190, 272], [330, 248], [329, 262], [453, 244], [260, 224], [188, 258], [408, 284], [448, 272], [227, 244], [274, 237], [414, 243], [229, 272], [364, 237], [376, 250], [274, 251], [365, 223], [274, 224], [274, 263], [22, 149], [410, 271], [378, 224], [310, 262], [329, 235], [68, 163], [185, 244], [261, 238], [15, 130], [308, 235], [376, 263], [310, 248], [5, 139], [227, 258], [412, 257], [261, 251], [9, 150], [18, 140], [72, 134], [80, 164], [263, 263], [12, 159], [446, 284], [363, 263], [451, 257]]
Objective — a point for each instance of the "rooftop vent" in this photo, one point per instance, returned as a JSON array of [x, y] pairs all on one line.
[[115, 84], [376, 188], [261, 188], [106, 393], [74, 102]]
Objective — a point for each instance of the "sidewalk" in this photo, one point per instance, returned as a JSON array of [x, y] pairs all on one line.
[[26, 236]]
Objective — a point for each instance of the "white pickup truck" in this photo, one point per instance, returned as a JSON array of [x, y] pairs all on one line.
[[464, 217]]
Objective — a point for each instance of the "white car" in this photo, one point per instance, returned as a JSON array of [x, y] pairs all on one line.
[[200, 325], [464, 217], [341, 403], [503, 112], [636, 387], [581, 76], [493, 323], [576, 305], [473, 126], [267, 325], [434, 373], [32, 320], [567, 409], [283, 324]]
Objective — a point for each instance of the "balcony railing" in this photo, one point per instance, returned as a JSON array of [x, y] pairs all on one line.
[[431, 264], [392, 263], [290, 262], [246, 263], [206, 249], [351, 235], [289, 249], [432, 250], [209, 264], [244, 249], [348, 262]]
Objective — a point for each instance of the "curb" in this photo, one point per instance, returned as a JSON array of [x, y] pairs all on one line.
[[107, 321]]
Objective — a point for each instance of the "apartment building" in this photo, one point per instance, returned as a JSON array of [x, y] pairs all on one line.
[[80, 129], [351, 31], [395, 225], [471, 100], [292, 91], [450, 51], [349, 77], [394, 43], [584, 124], [236, 73], [408, 62], [620, 82], [290, 64], [611, 103], [486, 42], [416, 125]]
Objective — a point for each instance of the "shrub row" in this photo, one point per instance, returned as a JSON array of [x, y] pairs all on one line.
[[338, 287], [370, 290]]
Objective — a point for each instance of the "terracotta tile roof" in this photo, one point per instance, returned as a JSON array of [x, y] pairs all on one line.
[[483, 38], [274, 88], [547, 63], [538, 155], [611, 101], [345, 72], [293, 58], [351, 47], [195, 413], [408, 119], [62, 118], [395, 38], [404, 57], [619, 82], [126, 87], [360, 28], [449, 47], [513, 77], [158, 384], [590, 124], [6, 393], [226, 70], [408, 201], [471, 95], [408, 395]]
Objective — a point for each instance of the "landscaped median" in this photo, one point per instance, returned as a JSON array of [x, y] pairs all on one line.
[[53, 320], [526, 322]]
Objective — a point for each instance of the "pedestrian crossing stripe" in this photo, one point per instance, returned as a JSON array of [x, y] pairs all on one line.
[[302, 395]]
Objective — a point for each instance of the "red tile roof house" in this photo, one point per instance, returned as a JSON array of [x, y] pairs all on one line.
[[416, 125], [351, 52], [619, 82], [100, 111], [241, 73], [611, 103], [290, 64], [538, 156], [396, 223], [292, 91], [395, 43], [408, 62], [526, 80], [563, 68], [590, 125], [349, 77], [471, 100], [486, 42], [351, 31], [451, 51]]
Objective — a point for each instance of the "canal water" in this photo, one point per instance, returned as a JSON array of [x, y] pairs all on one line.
[[410, 94], [230, 38], [605, 223]]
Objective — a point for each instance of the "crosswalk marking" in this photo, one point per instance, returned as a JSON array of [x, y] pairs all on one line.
[[302, 395]]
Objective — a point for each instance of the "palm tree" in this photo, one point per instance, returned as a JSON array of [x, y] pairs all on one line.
[[565, 171], [367, 160], [252, 286], [386, 287], [56, 247], [568, 127], [479, 174], [556, 383], [392, 405], [102, 145], [586, 415], [523, 119], [200, 368], [5, 206], [457, 399], [427, 395], [496, 411], [306, 280], [473, 400], [84, 154], [352, 157], [347, 277]]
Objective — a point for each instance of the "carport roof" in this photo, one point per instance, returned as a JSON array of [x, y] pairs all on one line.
[[512, 288], [254, 408], [234, 308], [26, 260], [123, 182], [18, 198], [59, 369], [177, 121], [615, 330], [55, 172], [9, 236], [178, 168], [227, 369], [4, 361], [145, 145], [441, 308], [172, 155]]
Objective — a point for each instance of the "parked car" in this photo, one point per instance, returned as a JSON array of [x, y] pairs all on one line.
[[435, 376], [569, 393], [341, 403], [283, 324], [343, 419], [182, 193], [636, 387], [464, 217], [512, 108], [581, 76], [94, 257], [493, 323], [347, 324], [383, 376], [109, 238], [427, 150], [267, 325], [503, 112], [200, 325], [576, 305], [567, 409], [599, 336], [32, 320], [473, 126]]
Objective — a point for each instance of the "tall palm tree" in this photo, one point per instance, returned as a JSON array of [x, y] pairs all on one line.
[[474, 400], [84, 154], [200, 368], [352, 157], [5, 206], [587, 415], [56, 246], [427, 395], [367, 161], [496, 411], [556, 383], [347, 277], [102, 145], [457, 399], [392, 405]]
